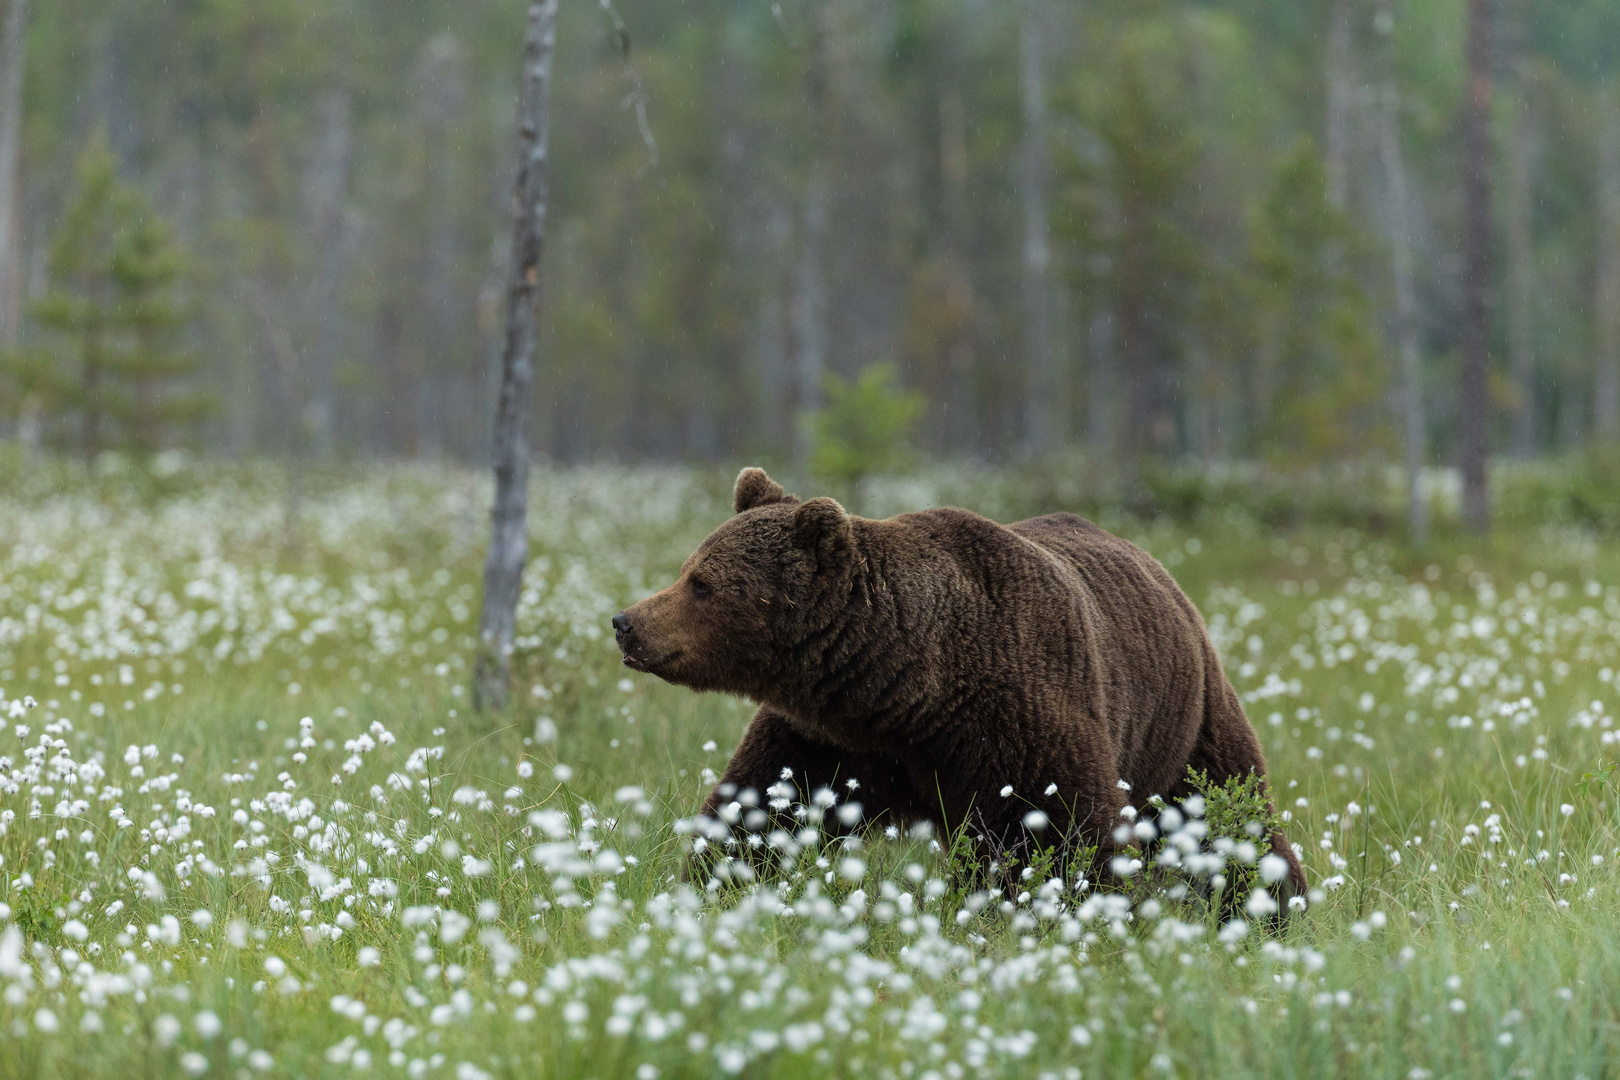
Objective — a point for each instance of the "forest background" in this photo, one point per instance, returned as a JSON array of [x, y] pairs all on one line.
[[1150, 228]]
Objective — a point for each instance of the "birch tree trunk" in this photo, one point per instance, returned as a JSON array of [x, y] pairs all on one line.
[[13, 54], [1520, 207], [509, 541], [1473, 403], [326, 191], [1399, 215], [1606, 302], [810, 284], [1340, 89], [1041, 371]]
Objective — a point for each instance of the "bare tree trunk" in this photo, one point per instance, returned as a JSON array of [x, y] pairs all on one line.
[[1101, 393], [13, 55], [326, 190], [1340, 90], [810, 286], [1472, 400], [1606, 304], [509, 540], [1415, 433], [1521, 157], [961, 428], [1041, 371]]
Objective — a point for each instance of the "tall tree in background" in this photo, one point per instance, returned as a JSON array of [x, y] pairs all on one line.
[[326, 186], [1152, 257], [111, 305], [13, 53], [1606, 298], [1042, 429], [1473, 399], [1341, 84], [1398, 217], [1520, 211], [810, 277], [509, 538], [1322, 376]]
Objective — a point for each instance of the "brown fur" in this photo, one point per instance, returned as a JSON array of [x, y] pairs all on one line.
[[938, 656]]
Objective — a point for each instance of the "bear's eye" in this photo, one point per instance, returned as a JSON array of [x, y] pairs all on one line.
[[701, 590]]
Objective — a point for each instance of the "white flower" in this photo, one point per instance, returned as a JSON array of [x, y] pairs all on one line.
[[1051, 789], [1123, 785], [207, 1024], [46, 1021], [1567, 810], [166, 1029], [1036, 821], [193, 1063], [1273, 868], [1006, 791], [1079, 1035], [1260, 904]]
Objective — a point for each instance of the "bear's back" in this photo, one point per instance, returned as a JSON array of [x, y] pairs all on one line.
[[1153, 636]]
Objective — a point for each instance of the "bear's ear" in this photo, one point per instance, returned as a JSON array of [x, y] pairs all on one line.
[[821, 527], [754, 488]]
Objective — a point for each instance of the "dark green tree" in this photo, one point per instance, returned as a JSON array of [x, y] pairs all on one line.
[[1322, 366], [114, 361]]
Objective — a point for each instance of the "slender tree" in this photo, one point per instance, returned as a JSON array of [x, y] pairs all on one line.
[[1473, 402], [12, 56], [1606, 301], [509, 541], [1414, 431], [325, 194], [1520, 207], [1341, 78], [810, 284], [1040, 364]]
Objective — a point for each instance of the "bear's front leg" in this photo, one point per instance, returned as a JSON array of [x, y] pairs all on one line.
[[772, 752]]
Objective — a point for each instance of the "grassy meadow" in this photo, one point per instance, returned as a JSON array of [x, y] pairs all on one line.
[[251, 827]]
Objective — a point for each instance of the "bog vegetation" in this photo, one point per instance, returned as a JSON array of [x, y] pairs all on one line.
[[250, 825]]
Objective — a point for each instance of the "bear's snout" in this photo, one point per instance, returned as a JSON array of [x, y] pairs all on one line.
[[622, 633]]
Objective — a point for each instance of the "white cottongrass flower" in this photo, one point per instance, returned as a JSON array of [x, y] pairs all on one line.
[[1079, 1035], [1273, 868], [207, 1024], [1260, 904], [166, 1029], [46, 1021], [1567, 809], [193, 1063], [1006, 791], [1051, 789], [1036, 820]]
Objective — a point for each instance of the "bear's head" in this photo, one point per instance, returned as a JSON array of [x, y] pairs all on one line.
[[747, 596]]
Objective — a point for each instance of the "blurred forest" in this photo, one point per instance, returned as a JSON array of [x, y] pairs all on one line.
[[1214, 229]]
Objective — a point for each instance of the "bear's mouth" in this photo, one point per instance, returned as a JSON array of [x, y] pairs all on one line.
[[642, 663]]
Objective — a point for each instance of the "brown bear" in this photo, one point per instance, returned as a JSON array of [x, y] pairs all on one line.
[[938, 657]]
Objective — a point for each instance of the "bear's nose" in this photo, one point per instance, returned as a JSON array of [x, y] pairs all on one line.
[[621, 624]]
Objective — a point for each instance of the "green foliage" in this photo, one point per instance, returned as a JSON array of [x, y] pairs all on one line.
[[1238, 808], [1322, 372], [865, 427], [111, 304]]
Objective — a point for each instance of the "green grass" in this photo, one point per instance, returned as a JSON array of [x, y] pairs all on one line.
[[184, 611]]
